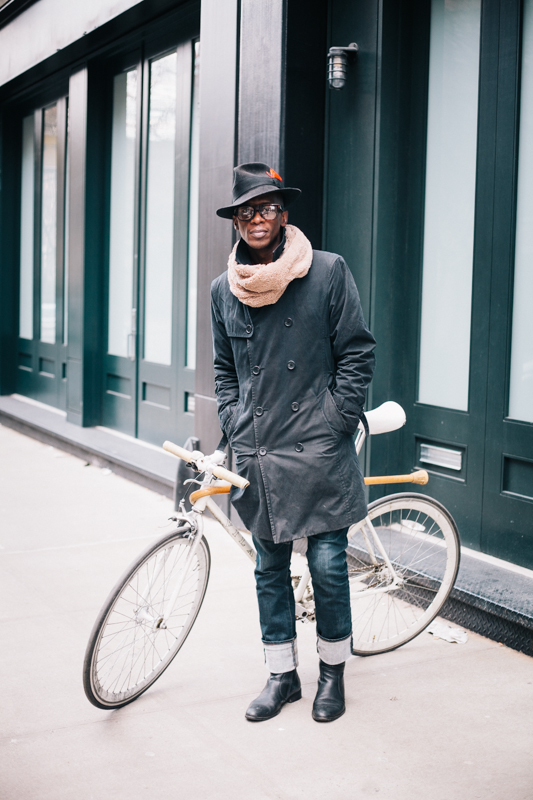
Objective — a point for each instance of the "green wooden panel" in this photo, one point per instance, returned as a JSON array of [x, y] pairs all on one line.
[[218, 82], [462, 495], [10, 153], [508, 485], [349, 196], [305, 101], [400, 139]]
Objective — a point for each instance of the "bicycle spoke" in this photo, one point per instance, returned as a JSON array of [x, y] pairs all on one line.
[[421, 543]]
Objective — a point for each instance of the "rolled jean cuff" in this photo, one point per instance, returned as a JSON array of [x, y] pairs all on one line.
[[281, 657], [334, 652]]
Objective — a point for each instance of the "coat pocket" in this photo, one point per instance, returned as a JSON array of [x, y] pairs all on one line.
[[332, 414]]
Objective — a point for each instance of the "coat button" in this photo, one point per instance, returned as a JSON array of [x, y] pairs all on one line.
[[295, 406], [259, 412], [288, 322], [291, 365], [248, 329], [262, 451], [299, 447], [256, 370]]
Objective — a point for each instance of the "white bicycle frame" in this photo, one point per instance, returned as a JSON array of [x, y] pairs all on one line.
[[388, 417]]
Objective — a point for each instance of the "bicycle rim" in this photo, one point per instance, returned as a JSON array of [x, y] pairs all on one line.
[[421, 541], [128, 649]]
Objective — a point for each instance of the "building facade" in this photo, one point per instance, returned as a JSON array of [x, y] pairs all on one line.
[[120, 125]]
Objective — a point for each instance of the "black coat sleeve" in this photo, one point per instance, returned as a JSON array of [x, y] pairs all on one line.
[[352, 345], [226, 381]]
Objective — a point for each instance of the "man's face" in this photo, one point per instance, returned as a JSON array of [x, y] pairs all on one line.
[[262, 234]]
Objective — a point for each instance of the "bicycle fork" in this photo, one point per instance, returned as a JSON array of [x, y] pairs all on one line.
[[143, 614], [196, 539]]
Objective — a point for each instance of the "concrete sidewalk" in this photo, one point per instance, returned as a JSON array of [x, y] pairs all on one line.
[[430, 720]]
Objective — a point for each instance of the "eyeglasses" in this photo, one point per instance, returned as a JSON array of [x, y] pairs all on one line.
[[268, 211]]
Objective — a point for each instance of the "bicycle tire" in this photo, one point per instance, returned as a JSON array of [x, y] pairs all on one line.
[[127, 651], [421, 540]]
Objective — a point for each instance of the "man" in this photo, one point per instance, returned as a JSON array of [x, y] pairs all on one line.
[[293, 358]]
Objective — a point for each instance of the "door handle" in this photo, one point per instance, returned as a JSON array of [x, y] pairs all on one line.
[[131, 346], [133, 335]]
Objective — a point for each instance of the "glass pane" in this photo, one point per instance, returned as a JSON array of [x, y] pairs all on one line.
[[66, 234], [192, 278], [49, 226], [449, 206], [521, 383], [26, 229], [160, 211], [121, 228]]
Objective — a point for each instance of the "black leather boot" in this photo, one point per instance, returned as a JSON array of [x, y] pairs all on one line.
[[281, 688], [329, 701]]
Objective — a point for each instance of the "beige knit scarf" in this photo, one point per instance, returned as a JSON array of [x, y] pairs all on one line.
[[263, 284]]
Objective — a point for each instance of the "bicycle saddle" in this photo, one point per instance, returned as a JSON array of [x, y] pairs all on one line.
[[387, 417]]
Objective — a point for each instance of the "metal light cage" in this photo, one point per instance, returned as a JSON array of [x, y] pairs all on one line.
[[338, 64]]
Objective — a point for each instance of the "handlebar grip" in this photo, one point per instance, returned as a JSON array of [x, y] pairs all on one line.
[[218, 472], [420, 476], [226, 475], [178, 451]]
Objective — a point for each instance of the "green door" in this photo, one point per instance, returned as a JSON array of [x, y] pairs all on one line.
[[471, 420], [507, 523], [41, 372], [150, 315], [429, 197], [446, 405]]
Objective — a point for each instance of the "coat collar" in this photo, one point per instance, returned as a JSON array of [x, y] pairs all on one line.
[[242, 254]]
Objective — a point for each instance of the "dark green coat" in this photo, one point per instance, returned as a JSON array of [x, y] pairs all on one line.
[[291, 380]]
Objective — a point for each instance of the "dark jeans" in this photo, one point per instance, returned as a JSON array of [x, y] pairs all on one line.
[[326, 555]]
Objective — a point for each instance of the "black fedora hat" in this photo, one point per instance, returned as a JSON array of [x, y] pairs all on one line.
[[252, 180]]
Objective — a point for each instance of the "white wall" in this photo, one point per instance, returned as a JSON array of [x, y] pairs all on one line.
[[46, 27]]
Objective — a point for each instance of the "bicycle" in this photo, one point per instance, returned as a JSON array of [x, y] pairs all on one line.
[[402, 558]]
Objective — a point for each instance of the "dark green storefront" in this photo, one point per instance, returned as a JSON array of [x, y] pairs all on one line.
[[416, 172]]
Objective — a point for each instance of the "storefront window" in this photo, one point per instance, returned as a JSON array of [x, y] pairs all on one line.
[[49, 225], [192, 281], [449, 204], [121, 229], [43, 265], [153, 228], [66, 235], [521, 381], [26, 229], [160, 210]]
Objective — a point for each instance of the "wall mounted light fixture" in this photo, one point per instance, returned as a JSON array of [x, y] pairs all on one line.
[[338, 64]]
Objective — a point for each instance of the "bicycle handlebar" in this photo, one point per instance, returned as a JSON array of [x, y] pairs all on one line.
[[218, 472], [420, 476]]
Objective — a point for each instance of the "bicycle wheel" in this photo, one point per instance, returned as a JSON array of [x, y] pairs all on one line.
[[131, 643], [421, 542]]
